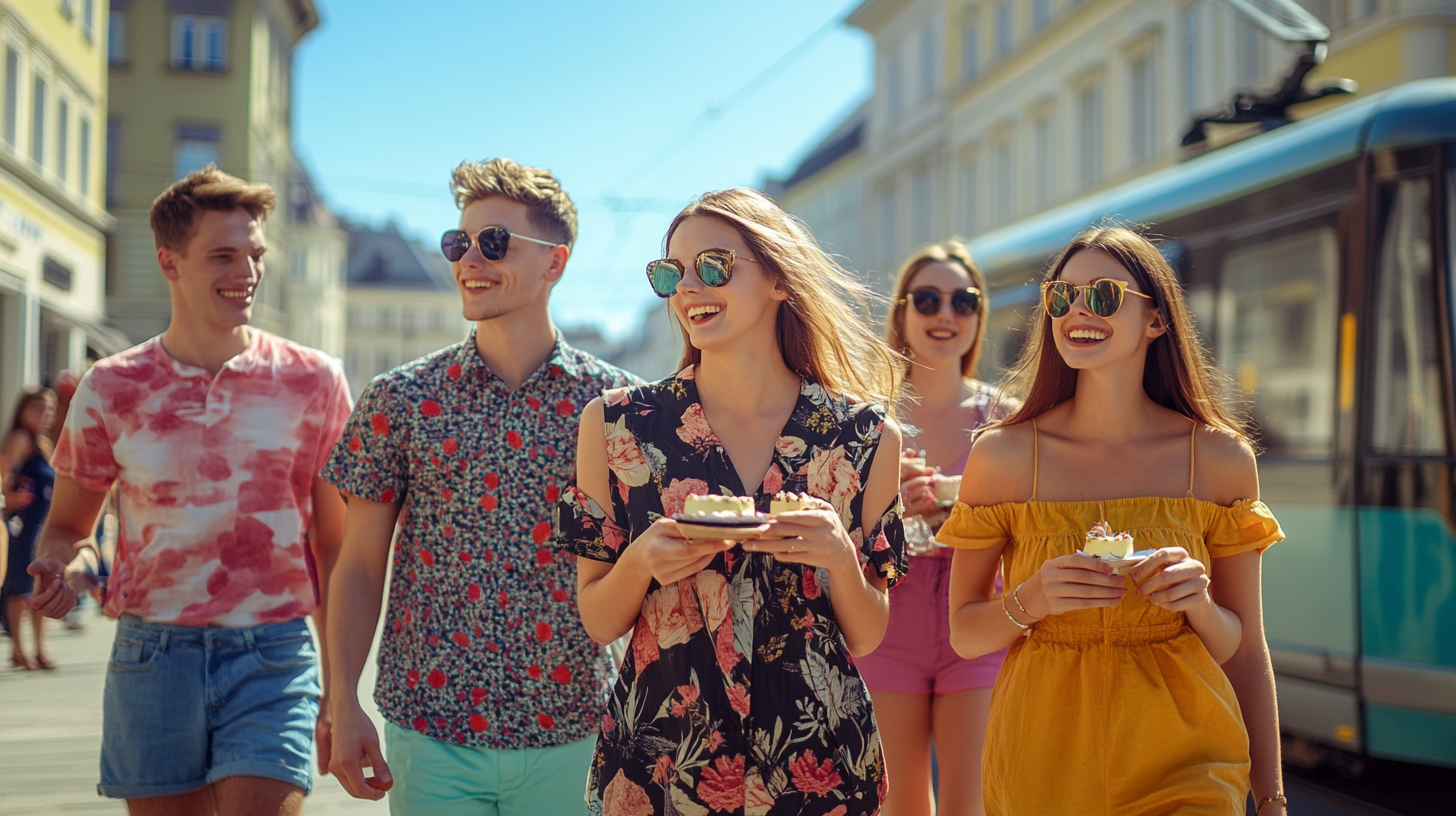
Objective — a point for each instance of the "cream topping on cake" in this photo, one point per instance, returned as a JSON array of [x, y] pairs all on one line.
[[720, 508], [788, 502], [1107, 545]]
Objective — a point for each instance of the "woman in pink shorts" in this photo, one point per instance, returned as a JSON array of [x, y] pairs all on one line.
[[923, 693]]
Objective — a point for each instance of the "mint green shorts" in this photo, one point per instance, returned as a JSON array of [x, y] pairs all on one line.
[[433, 777]]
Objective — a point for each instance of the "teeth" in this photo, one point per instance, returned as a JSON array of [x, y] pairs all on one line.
[[479, 284], [941, 334], [1087, 334], [234, 293], [698, 311]]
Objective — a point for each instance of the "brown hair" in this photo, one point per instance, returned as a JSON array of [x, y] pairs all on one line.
[[28, 395], [548, 207], [176, 210], [1179, 374], [953, 252], [823, 327]]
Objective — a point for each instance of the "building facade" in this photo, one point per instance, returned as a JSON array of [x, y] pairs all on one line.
[[401, 303], [985, 112], [53, 221], [195, 82]]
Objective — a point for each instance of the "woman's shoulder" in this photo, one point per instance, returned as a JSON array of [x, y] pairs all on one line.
[[1225, 469], [999, 467]]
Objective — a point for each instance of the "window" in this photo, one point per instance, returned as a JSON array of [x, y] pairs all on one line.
[[113, 159], [1089, 136], [63, 139], [970, 48], [83, 180], [12, 96], [1408, 415], [88, 19], [116, 38], [927, 61], [1144, 109], [199, 43], [970, 188], [193, 148], [1043, 169], [38, 122], [1276, 336], [1003, 30], [1003, 205], [922, 207], [1041, 14]]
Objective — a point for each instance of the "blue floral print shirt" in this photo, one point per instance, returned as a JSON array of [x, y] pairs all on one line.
[[483, 644]]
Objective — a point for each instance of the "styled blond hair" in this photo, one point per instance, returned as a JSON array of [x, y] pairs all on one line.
[[175, 212], [548, 206], [952, 252], [823, 326]]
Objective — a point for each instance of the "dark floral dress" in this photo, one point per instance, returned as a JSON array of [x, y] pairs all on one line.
[[738, 694]]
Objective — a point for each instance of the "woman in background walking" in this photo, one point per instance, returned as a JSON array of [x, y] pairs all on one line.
[[28, 479]]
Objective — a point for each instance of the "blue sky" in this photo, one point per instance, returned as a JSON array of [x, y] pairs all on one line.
[[647, 102]]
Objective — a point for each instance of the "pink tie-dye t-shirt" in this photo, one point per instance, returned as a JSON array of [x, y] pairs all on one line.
[[216, 477]]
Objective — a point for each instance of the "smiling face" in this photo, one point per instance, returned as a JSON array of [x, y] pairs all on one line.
[[39, 414], [214, 280], [522, 279], [716, 316], [1087, 341], [942, 339]]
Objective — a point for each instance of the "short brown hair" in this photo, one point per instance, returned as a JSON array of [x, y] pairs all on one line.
[[949, 252], [548, 206], [176, 210]]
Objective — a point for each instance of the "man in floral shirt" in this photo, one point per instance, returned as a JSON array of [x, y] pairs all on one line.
[[491, 687]]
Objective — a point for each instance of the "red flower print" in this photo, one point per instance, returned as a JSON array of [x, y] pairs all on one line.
[[543, 631], [355, 444], [543, 557], [533, 672], [447, 494], [478, 723], [534, 403], [488, 502], [722, 786], [715, 740], [811, 582], [477, 696], [421, 724], [811, 777], [840, 810], [625, 457], [436, 678], [427, 558], [738, 698], [694, 429], [450, 446], [553, 493], [413, 678], [546, 721], [473, 591], [561, 674], [448, 531], [664, 770], [666, 613], [833, 478], [461, 639], [380, 424], [387, 496], [541, 532], [430, 408], [623, 797], [728, 655], [559, 596], [565, 408], [881, 543], [514, 440], [613, 536], [689, 698], [644, 645], [608, 724], [503, 600], [676, 494], [454, 371], [492, 481], [773, 480]]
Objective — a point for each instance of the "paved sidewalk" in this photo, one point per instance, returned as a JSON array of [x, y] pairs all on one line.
[[50, 730]]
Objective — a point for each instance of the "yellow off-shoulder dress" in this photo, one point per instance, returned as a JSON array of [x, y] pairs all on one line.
[[1115, 711]]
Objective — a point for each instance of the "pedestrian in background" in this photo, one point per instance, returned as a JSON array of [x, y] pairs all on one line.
[[1147, 691], [215, 432], [489, 686], [925, 694], [28, 480], [739, 693]]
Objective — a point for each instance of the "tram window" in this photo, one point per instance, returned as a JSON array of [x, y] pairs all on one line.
[[1408, 413], [1275, 320]]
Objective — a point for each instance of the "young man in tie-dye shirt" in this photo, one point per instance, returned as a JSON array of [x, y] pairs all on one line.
[[214, 433]]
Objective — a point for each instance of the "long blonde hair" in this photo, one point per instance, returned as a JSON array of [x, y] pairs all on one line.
[[823, 327], [952, 251], [1179, 373]]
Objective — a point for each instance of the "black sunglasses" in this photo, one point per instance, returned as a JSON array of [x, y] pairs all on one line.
[[493, 243], [926, 300], [715, 268]]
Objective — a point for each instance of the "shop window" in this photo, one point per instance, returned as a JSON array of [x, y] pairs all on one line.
[[194, 147]]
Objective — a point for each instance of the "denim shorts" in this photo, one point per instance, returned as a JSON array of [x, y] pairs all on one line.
[[186, 706]]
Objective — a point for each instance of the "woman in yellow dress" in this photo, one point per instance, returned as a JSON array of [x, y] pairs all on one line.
[[1145, 694]]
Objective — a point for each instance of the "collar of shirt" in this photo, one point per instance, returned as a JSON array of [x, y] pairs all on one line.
[[561, 363], [241, 362]]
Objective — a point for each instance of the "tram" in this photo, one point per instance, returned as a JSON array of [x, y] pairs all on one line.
[[1318, 260]]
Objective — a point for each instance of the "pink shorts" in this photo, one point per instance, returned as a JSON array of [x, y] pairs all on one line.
[[916, 657]]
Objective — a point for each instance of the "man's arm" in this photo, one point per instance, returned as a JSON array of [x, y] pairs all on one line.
[[72, 520], [325, 538], [356, 593]]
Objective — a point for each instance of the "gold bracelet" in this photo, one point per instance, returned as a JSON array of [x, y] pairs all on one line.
[[1007, 612], [1278, 797], [1016, 596]]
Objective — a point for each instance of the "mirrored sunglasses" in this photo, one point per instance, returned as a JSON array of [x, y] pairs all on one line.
[[493, 241], [1102, 297], [714, 267]]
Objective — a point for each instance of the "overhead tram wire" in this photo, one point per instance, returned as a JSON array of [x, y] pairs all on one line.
[[681, 139]]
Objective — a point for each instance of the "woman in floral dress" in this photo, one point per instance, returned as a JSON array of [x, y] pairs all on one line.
[[739, 693]]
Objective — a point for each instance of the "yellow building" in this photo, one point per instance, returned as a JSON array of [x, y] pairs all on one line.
[[199, 81], [988, 111], [53, 222]]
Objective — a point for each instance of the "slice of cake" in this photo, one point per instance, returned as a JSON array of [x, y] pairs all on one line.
[[946, 489], [720, 509], [1107, 545], [788, 502]]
